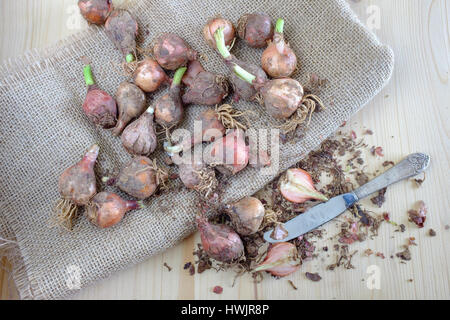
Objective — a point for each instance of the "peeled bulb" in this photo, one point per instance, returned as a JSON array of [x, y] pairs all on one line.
[[282, 259], [246, 215], [220, 241], [297, 186]]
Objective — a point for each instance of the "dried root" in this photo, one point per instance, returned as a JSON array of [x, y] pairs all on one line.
[[270, 218], [65, 212], [228, 115], [127, 69], [208, 182], [309, 104]]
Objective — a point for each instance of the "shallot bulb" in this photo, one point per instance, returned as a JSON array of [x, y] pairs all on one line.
[[242, 88], [282, 98], [230, 154], [99, 106], [172, 52], [212, 129], [203, 87], [139, 178], [197, 176], [279, 60], [108, 209], [95, 11], [246, 215], [139, 137], [282, 259], [122, 29], [169, 109], [76, 185], [216, 23], [256, 29], [149, 76], [130, 102], [220, 241], [297, 186]]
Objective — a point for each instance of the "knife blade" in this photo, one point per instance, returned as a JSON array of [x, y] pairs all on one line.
[[315, 217], [320, 214]]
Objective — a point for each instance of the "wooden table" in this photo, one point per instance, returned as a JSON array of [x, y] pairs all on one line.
[[410, 114]]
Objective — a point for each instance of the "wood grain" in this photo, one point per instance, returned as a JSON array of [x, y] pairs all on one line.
[[411, 114]]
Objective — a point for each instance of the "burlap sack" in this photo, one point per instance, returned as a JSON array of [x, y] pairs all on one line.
[[43, 131]]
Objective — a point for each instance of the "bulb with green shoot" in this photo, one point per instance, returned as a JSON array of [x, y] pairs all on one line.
[[279, 60], [243, 88], [99, 106], [283, 98], [122, 29], [169, 109]]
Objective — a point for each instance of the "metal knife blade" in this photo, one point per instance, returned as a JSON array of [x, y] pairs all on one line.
[[315, 217], [412, 165]]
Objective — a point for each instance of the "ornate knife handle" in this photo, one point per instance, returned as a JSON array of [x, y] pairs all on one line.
[[411, 166]]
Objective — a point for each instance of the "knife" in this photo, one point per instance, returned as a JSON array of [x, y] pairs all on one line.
[[318, 215]]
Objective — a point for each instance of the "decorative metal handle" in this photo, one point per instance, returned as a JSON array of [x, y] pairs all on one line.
[[411, 166]]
